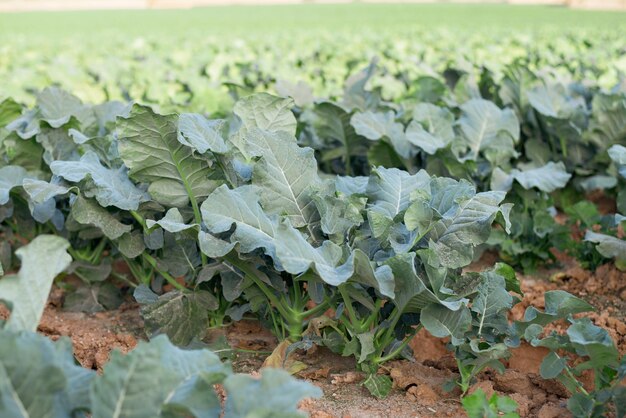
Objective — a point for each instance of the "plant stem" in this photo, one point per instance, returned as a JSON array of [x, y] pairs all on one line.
[[171, 280], [139, 219], [123, 278], [322, 307], [422, 235], [374, 315], [387, 336], [401, 347], [354, 321], [251, 274]]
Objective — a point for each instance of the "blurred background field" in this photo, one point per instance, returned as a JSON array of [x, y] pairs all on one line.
[[203, 59], [247, 19]]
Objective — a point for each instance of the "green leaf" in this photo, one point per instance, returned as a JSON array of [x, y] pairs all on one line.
[[486, 130], [580, 405], [547, 178], [9, 111], [240, 206], [285, 174], [492, 300], [552, 366], [506, 271], [96, 297], [366, 340], [506, 405], [379, 385], [380, 278], [554, 101], [376, 125], [431, 128], [390, 190], [355, 95], [58, 106], [27, 291], [126, 388], [195, 397], [131, 245], [608, 246], [443, 322], [111, 187], [47, 384], [86, 212], [300, 92], [11, 176], [477, 406], [608, 120], [57, 145], [558, 305], [332, 129], [182, 316], [149, 147], [454, 237], [594, 342], [41, 191], [266, 112], [296, 255], [213, 246], [203, 135], [275, 394], [172, 222], [411, 290], [338, 212], [618, 155]]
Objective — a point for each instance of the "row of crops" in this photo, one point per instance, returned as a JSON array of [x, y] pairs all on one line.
[[361, 188]]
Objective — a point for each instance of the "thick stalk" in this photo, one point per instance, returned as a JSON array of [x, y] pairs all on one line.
[[322, 307]]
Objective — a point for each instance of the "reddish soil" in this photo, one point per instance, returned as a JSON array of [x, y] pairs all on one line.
[[417, 385], [93, 335]]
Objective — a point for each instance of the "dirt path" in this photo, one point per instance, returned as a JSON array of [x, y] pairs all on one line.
[[417, 385]]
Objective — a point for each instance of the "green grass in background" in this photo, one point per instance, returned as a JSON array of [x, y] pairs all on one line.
[[355, 16]]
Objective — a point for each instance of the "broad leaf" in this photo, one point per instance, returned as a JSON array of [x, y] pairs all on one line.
[[172, 222], [48, 385], [266, 112], [149, 146], [112, 187], [275, 394], [182, 316], [10, 177], [201, 134], [608, 246], [547, 178], [253, 228], [431, 128], [443, 322], [486, 130], [454, 237], [285, 174], [126, 388], [27, 291], [86, 212]]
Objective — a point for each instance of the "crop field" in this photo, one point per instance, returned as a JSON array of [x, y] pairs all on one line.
[[348, 210]]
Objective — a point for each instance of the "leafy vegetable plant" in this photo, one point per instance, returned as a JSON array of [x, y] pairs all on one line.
[[50, 382], [477, 405]]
